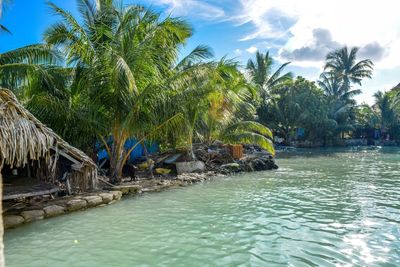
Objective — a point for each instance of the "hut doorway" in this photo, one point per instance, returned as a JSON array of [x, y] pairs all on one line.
[[27, 181]]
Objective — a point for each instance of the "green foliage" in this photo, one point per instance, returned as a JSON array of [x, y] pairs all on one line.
[[260, 72], [114, 72]]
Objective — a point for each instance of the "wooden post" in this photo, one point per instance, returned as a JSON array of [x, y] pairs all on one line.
[[236, 151]]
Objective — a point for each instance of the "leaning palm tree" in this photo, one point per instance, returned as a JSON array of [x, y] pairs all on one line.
[[343, 63], [260, 72]]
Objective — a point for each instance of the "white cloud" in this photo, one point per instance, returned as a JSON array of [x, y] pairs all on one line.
[[252, 49], [197, 8], [370, 24], [238, 52]]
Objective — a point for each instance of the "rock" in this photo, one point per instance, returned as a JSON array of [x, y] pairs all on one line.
[[11, 221], [53, 210], [106, 197], [258, 163], [189, 167], [218, 143], [93, 200], [172, 159], [126, 189], [76, 204], [117, 194], [231, 167], [263, 164], [32, 215]]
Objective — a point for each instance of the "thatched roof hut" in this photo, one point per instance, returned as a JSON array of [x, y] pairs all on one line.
[[26, 143]]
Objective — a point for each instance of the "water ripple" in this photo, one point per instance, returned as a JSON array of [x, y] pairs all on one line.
[[334, 208]]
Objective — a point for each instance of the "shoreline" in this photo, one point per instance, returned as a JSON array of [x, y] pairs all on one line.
[[14, 218], [211, 164]]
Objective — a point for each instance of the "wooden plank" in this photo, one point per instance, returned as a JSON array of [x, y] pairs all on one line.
[[31, 194], [65, 155]]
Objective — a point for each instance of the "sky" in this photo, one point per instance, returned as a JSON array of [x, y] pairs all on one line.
[[301, 32]]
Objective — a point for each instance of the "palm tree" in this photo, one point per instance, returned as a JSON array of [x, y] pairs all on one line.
[[343, 63], [226, 107], [385, 109], [17, 65], [335, 89], [126, 58], [260, 72], [2, 5]]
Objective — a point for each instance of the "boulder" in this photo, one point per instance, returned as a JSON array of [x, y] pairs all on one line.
[[117, 194], [76, 204], [263, 164], [32, 215], [126, 189], [93, 200], [11, 221], [231, 167], [106, 197], [53, 210], [190, 166]]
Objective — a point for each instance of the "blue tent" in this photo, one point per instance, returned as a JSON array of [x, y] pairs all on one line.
[[136, 153]]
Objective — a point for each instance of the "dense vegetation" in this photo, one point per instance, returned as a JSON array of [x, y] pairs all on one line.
[[117, 72]]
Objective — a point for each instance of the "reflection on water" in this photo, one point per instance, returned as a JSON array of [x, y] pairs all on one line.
[[325, 208]]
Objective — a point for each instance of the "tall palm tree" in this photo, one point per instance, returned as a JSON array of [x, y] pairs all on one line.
[[261, 74], [343, 63], [125, 55], [335, 88]]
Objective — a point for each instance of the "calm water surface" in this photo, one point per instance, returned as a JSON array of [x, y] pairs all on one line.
[[336, 208]]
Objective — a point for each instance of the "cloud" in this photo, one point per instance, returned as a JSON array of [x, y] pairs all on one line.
[[320, 45], [373, 51], [238, 52], [252, 49], [195, 8], [309, 28]]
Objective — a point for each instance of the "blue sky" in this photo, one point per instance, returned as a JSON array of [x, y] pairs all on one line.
[[298, 31]]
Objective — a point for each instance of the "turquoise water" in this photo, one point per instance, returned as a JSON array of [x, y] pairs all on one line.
[[335, 208]]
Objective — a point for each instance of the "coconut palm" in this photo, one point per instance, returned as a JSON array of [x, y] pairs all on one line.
[[226, 108], [335, 88], [2, 27], [17, 65], [385, 109], [343, 63], [260, 72], [127, 57]]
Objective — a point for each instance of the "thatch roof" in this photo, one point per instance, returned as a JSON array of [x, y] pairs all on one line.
[[24, 138]]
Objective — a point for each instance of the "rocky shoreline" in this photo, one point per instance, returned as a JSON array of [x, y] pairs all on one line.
[[14, 217], [215, 162]]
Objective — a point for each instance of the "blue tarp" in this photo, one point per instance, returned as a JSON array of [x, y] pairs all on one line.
[[137, 153]]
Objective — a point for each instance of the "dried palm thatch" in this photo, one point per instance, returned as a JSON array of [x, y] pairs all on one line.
[[24, 139]]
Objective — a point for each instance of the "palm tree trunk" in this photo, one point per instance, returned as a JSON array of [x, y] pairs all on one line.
[[146, 154], [117, 157], [1, 213]]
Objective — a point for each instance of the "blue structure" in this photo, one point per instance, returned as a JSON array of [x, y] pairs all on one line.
[[137, 152]]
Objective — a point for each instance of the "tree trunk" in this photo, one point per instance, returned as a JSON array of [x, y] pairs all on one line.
[[1, 217], [116, 160], [151, 163]]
